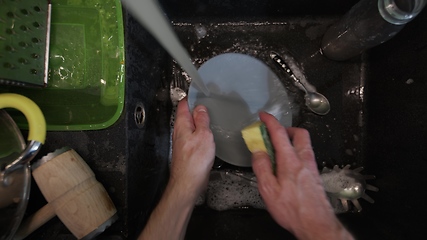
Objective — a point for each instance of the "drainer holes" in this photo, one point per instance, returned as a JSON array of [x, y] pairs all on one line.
[[139, 115], [7, 65], [23, 60], [9, 49]]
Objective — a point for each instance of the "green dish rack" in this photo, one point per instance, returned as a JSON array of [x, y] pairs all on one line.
[[85, 89]]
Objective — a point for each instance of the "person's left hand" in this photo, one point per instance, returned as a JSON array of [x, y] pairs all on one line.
[[193, 149]]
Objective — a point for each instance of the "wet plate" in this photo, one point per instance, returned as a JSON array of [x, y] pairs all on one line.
[[85, 88], [240, 87]]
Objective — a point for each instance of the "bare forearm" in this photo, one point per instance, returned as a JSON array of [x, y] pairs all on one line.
[[170, 218]]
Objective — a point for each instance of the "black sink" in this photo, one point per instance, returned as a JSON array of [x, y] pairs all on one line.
[[378, 117]]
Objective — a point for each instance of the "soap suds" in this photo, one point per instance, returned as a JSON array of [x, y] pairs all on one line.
[[236, 190], [231, 190]]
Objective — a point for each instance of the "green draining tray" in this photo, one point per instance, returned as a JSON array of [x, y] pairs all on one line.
[[85, 88], [24, 38]]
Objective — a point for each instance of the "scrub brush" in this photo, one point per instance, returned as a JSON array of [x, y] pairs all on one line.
[[24, 42]]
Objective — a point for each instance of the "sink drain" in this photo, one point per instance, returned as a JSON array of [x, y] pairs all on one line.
[[139, 115]]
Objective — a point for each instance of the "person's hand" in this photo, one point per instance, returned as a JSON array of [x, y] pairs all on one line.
[[193, 152], [193, 149], [294, 196]]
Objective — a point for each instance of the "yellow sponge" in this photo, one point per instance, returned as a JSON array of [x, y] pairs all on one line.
[[257, 139]]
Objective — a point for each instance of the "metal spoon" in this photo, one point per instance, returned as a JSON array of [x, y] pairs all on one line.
[[315, 101]]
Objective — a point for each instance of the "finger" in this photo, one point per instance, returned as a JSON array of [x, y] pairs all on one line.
[[286, 159], [184, 120], [263, 169], [302, 145], [201, 118], [299, 136]]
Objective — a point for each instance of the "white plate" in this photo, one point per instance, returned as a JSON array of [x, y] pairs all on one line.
[[240, 87]]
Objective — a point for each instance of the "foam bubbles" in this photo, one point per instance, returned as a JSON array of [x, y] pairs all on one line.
[[236, 190], [201, 31], [335, 182], [230, 190]]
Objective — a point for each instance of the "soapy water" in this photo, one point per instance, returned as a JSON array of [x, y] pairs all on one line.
[[201, 31], [235, 189], [231, 190]]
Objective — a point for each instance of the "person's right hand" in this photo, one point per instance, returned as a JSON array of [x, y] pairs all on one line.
[[295, 196]]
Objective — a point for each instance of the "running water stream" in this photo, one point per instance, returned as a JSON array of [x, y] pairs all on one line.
[[150, 15]]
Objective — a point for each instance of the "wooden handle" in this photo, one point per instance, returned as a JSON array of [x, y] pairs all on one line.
[[33, 222], [77, 198]]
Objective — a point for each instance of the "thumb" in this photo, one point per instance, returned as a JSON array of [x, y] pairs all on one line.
[[201, 117]]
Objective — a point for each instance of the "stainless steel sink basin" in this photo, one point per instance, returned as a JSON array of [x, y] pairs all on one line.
[[377, 120]]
